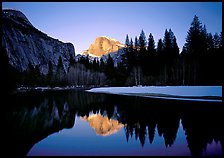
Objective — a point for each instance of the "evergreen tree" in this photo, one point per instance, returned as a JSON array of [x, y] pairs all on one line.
[[142, 41], [196, 51], [125, 55], [195, 41], [131, 43], [210, 42], [167, 43], [110, 62], [169, 57], [131, 58], [136, 43], [159, 53], [159, 48], [95, 65], [142, 52], [102, 65], [151, 44], [216, 40], [220, 39], [174, 47], [132, 54], [150, 57], [204, 40], [127, 43], [109, 69]]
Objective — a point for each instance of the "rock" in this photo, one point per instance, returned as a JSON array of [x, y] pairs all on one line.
[[103, 45], [25, 44]]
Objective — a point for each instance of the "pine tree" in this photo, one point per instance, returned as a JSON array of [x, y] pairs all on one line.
[[220, 39], [159, 48], [142, 41], [167, 43], [210, 42], [102, 65], [142, 52], [169, 57], [125, 55], [195, 41], [196, 51], [174, 47], [127, 43], [216, 40], [204, 40], [131, 58], [109, 69], [136, 42], [150, 58], [95, 65], [151, 44]]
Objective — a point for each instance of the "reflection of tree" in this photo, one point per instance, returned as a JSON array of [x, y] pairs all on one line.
[[203, 126], [33, 119], [142, 134], [147, 117], [29, 123], [151, 131], [168, 125], [200, 121]]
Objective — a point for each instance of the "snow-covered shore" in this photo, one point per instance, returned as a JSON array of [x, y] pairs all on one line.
[[195, 93]]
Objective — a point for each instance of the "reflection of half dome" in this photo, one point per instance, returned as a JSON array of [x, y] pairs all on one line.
[[102, 125]]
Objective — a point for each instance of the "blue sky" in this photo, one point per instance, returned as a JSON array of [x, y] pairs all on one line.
[[81, 22]]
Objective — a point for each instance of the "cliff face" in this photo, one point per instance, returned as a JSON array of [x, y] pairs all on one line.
[[25, 44], [102, 46]]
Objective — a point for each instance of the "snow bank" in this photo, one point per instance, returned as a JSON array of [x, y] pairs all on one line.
[[169, 92]]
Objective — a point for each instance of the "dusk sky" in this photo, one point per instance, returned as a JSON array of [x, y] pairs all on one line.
[[81, 22]]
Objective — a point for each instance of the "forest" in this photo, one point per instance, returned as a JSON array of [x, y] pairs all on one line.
[[143, 63]]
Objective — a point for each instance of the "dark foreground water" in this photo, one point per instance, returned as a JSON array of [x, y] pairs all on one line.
[[80, 123]]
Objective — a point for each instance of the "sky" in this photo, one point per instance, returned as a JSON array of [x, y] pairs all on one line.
[[81, 22]]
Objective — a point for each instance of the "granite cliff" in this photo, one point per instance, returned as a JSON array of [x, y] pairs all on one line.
[[25, 44], [103, 45]]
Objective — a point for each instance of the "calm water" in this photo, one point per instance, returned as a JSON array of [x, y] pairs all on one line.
[[80, 123]]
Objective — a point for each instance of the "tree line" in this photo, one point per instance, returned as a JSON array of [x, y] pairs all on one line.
[[198, 63]]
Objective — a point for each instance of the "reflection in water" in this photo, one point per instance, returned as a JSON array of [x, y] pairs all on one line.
[[102, 125], [33, 116]]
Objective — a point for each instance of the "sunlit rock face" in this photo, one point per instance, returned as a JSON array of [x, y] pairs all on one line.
[[102, 125], [103, 45], [25, 44]]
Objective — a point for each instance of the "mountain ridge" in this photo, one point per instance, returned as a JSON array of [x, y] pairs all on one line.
[[103, 45]]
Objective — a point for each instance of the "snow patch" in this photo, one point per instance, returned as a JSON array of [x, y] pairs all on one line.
[[109, 38], [196, 93]]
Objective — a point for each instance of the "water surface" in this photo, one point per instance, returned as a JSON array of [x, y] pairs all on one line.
[[81, 123]]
